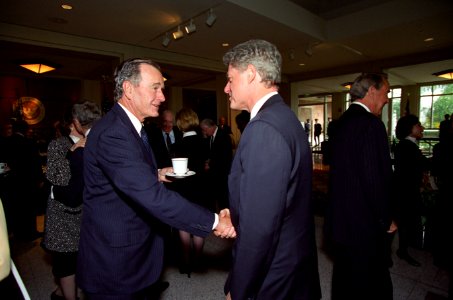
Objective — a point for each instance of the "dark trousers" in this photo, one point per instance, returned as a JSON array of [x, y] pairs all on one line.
[[361, 273]]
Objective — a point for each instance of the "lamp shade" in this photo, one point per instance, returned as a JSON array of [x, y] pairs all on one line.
[[38, 68], [447, 74]]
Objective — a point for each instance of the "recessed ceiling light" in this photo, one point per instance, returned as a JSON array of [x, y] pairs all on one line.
[[66, 6], [225, 44], [430, 39], [301, 64]]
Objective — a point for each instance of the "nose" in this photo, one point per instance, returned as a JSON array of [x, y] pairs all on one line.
[[227, 88], [160, 95]]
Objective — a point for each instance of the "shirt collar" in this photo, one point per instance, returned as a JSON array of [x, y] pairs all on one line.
[[189, 133], [136, 122], [256, 108], [412, 139], [362, 105]]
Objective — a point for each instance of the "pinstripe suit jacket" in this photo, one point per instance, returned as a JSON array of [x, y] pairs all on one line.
[[358, 213], [121, 250]]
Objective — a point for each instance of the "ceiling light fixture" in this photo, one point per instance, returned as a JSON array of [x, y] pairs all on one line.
[[347, 85], [211, 18], [447, 74], [38, 68], [66, 6], [178, 33], [191, 27], [166, 40]]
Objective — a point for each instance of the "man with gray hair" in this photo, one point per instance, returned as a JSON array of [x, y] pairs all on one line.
[[275, 255], [358, 220]]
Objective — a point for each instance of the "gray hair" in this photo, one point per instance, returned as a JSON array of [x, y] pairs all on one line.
[[129, 70], [86, 113], [263, 55], [207, 123], [362, 83]]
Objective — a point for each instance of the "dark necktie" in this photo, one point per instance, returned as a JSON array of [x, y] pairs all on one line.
[[145, 140], [168, 140]]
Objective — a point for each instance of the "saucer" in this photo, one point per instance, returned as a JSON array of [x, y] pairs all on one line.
[[187, 174]]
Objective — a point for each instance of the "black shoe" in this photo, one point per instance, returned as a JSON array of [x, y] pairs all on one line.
[[54, 296], [408, 259], [154, 291]]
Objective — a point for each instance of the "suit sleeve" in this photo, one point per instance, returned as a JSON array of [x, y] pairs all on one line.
[[130, 170], [266, 164]]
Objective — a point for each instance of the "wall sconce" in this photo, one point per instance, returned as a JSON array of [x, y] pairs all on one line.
[[178, 33], [38, 68], [347, 85], [211, 18], [447, 74], [166, 40], [191, 27]]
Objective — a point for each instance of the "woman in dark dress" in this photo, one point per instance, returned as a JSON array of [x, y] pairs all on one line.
[[410, 167], [191, 187]]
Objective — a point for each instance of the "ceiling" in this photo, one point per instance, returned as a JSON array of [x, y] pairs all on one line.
[[323, 42]]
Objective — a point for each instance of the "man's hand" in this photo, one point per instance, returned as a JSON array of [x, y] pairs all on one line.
[[225, 228], [161, 174]]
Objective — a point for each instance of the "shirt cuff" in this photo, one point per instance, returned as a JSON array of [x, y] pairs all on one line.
[[216, 221]]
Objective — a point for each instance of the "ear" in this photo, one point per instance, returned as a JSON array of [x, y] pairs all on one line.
[[251, 73], [127, 89]]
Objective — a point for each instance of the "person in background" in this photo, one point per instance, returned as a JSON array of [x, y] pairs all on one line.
[[26, 177], [217, 166], [445, 126], [411, 167], [317, 131], [163, 138], [121, 249], [275, 254], [64, 205], [223, 126], [358, 220], [191, 188]]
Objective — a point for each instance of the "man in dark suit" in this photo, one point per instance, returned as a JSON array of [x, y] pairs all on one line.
[[121, 248], [163, 138], [358, 220], [220, 155], [271, 207]]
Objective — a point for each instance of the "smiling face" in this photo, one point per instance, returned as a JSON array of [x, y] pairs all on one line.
[[143, 100], [417, 131], [236, 89]]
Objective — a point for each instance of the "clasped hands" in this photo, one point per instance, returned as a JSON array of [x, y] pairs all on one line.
[[225, 228]]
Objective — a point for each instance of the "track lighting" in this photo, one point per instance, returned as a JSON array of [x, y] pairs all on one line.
[[211, 18], [191, 27], [166, 40], [178, 33]]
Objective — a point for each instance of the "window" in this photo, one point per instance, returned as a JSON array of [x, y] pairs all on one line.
[[435, 102]]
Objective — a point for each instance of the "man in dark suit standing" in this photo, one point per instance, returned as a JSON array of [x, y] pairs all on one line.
[[358, 220], [271, 207], [217, 167], [163, 138], [121, 249]]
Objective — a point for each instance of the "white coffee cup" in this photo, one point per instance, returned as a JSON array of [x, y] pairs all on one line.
[[179, 165], [3, 168]]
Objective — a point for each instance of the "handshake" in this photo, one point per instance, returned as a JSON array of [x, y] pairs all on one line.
[[225, 228]]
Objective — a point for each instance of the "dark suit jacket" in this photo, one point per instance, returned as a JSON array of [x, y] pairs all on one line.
[[120, 249], [358, 212], [274, 256], [161, 153], [221, 154]]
